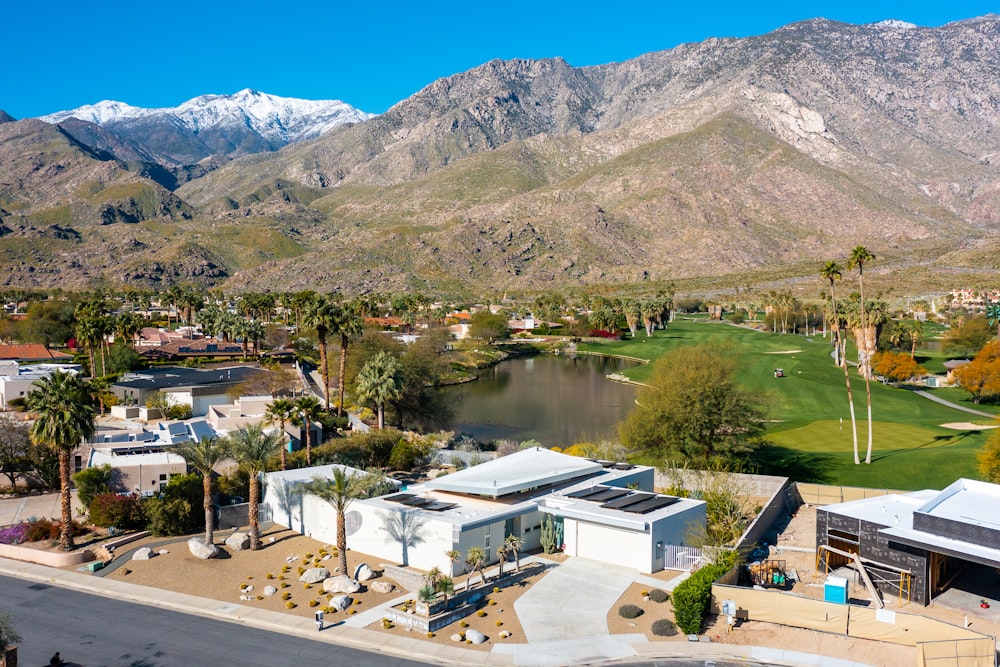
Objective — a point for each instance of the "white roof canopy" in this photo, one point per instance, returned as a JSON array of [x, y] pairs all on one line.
[[527, 469]]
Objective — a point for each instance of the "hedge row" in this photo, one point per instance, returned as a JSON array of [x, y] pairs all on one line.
[[692, 598]]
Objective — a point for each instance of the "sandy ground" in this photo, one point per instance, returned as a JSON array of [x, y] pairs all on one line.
[[967, 426], [499, 608], [223, 577]]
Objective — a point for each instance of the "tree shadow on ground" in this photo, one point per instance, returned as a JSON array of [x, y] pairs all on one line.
[[799, 466], [934, 443]]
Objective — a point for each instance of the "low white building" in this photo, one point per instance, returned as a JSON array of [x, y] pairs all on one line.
[[16, 380], [601, 510], [145, 469]]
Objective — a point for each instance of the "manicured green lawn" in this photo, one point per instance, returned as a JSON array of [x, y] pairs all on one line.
[[910, 449]]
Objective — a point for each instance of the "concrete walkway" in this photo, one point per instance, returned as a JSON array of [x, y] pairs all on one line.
[[956, 406]]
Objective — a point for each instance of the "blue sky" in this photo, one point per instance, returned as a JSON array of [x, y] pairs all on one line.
[[60, 54]]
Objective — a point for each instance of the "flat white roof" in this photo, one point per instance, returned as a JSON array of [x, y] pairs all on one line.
[[100, 457], [968, 501], [520, 471], [892, 510], [300, 475]]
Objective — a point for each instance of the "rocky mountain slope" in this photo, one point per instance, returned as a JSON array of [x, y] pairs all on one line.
[[741, 157]]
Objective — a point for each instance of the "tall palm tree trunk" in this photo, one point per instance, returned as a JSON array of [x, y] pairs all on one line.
[[308, 442], [850, 398], [340, 377], [868, 395], [254, 513], [207, 504], [324, 371], [342, 540], [65, 483]]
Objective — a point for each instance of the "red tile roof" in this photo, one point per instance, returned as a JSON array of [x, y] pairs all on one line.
[[31, 352]]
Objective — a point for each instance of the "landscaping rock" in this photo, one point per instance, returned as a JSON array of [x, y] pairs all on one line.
[[238, 541], [163, 552], [341, 602], [382, 587], [475, 636], [504, 634], [314, 575], [364, 573], [145, 553], [340, 584], [457, 637], [270, 590], [199, 549]]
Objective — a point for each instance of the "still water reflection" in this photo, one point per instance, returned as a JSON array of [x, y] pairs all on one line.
[[555, 400]]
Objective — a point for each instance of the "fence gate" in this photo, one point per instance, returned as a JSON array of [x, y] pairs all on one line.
[[237, 516], [681, 558]]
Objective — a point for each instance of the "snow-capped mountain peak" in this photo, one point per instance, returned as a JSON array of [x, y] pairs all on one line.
[[278, 119]]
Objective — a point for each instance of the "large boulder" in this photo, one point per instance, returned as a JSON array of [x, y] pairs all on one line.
[[381, 587], [363, 573], [475, 636], [314, 575], [145, 553], [238, 541], [270, 590], [341, 584], [200, 549], [341, 602]]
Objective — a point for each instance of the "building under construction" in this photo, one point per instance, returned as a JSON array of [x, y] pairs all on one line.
[[913, 545]]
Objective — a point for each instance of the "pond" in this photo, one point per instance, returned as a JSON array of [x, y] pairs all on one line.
[[553, 399]]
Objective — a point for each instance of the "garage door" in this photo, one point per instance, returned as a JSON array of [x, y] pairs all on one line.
[[612, 545]]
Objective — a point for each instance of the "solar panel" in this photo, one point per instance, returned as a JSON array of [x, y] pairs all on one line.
[[399, 497], [646, 506], [201, 429], [586, 493], [438, 506], [417, 502], [625, 501], [608, 494]]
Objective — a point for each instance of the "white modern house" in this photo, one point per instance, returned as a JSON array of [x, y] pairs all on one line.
[[600, 510], [17, 380]]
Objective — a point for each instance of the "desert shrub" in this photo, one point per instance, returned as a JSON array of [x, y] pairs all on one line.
[[657, 595], [664, 628], [480, 613], [46, 529], [629, 611], [169, 517], [407, 455], [110, 509], [290, 605]]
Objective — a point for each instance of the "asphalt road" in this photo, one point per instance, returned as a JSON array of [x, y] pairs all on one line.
[[91, 631]]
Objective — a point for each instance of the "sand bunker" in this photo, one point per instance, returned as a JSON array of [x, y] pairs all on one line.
[[968, 426], [784, 352]]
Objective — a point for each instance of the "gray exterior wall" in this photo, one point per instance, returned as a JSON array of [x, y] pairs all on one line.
[[874, 547], [959, 530]]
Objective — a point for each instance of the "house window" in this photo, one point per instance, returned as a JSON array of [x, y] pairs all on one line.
[[163, 477], [487, 539], [78, 463]]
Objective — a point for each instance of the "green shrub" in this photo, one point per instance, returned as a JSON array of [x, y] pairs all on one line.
[[657, 595], [110, 509], [664, 628], [629, 611], [92, 482], [693, 596], [169, 517]]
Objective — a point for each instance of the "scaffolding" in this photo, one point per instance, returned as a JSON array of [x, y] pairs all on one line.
[[903, 585]]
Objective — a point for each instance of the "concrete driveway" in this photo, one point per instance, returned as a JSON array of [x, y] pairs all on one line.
[[572, 600], [19, 508]]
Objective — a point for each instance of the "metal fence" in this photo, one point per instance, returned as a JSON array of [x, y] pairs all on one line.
[[237, 516], [681, 558]]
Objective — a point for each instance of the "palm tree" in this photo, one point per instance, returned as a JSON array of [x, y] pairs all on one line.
[[339, 492], [833, 272], [203, 456], [322, 316], [475, 559], [501, 557], [64, 418], [455, 556], [253, 448], [993, 315], [348, 325], [916, 332], [127, 326], [514, 544], [859, 257], [307, 410], [280, 411], [380, 381]]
